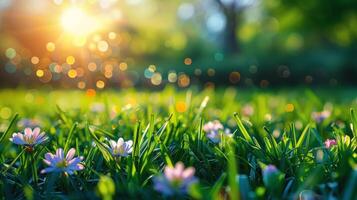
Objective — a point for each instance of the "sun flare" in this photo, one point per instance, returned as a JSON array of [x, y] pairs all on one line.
[[77, 22]]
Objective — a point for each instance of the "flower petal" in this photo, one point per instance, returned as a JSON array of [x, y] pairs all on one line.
[[47, 170], [169, 173], [113, 144], [129, 143], [188, 173], [35, 132], [59, 153], [28, 132], [179, 167], [120, 142], [18, 139], [70, 154], [42, 138], [74, 161]]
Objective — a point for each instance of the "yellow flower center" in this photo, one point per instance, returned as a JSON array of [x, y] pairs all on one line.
[[176, 182], [62, 164], [119, 150], [30, 140]]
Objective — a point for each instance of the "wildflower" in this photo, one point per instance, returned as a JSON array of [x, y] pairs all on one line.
[[329, 143], [214, 130], [268, 170], [175, 179], [97, 107], [248, 110], [30, 138], [273, 179], [228, 132], [214, 137], [33, 123], [320, 116], [120, 148], [93, 144], [213, 126], [58, 163]]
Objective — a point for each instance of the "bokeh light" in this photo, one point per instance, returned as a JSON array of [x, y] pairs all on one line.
[[70, 60], [40, 73], [100, 84], [35, 60], [10, 53], [77, 22], [50, 46]]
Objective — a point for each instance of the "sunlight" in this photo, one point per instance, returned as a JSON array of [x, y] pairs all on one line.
[[77, 22]]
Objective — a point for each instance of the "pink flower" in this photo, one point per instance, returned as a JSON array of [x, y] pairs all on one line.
[[247, 110], [213, 126], [329, 143], [30, 137], [97, 107], [175, 180], [58, 163]]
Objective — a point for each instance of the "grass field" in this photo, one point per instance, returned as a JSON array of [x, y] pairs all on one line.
[[245, 144]]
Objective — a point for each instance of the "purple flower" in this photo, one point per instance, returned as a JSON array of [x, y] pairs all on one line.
[[214, 130], [329, 143], [273, 179], [120, 148], [269, 169], [30, 137], [214, 137], [33, 123], [228, 132], [58, 163], [320, 116], [175, 179]]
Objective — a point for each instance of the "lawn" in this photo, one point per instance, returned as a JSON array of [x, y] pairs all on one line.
[[188, 144]]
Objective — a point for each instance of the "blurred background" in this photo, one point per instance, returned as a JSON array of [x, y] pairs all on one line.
[[98, 44]]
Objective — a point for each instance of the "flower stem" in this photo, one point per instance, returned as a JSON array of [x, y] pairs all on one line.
[[34, 169]]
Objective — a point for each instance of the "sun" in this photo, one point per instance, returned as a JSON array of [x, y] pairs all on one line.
[[77, 22]]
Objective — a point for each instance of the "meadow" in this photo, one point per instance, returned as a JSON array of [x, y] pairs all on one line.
[[187, 144]]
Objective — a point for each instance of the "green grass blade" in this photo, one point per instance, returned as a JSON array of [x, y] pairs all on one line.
[[303, 135], [232, 174], [293, 134], [70, 135], [13, 162], [12, 122], [106, 154], [242, 128], [214, 192], [354, 122]]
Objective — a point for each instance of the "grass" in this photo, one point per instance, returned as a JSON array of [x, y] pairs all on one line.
[[166, 127]]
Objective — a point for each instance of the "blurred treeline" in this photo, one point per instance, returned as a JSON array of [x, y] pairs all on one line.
[[292, 41], [268, 42]]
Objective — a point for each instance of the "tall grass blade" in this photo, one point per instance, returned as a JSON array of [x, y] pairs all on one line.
[[12, 122], [242, 128]]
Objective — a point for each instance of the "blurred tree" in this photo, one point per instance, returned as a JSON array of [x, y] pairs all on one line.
[[232, 10]]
